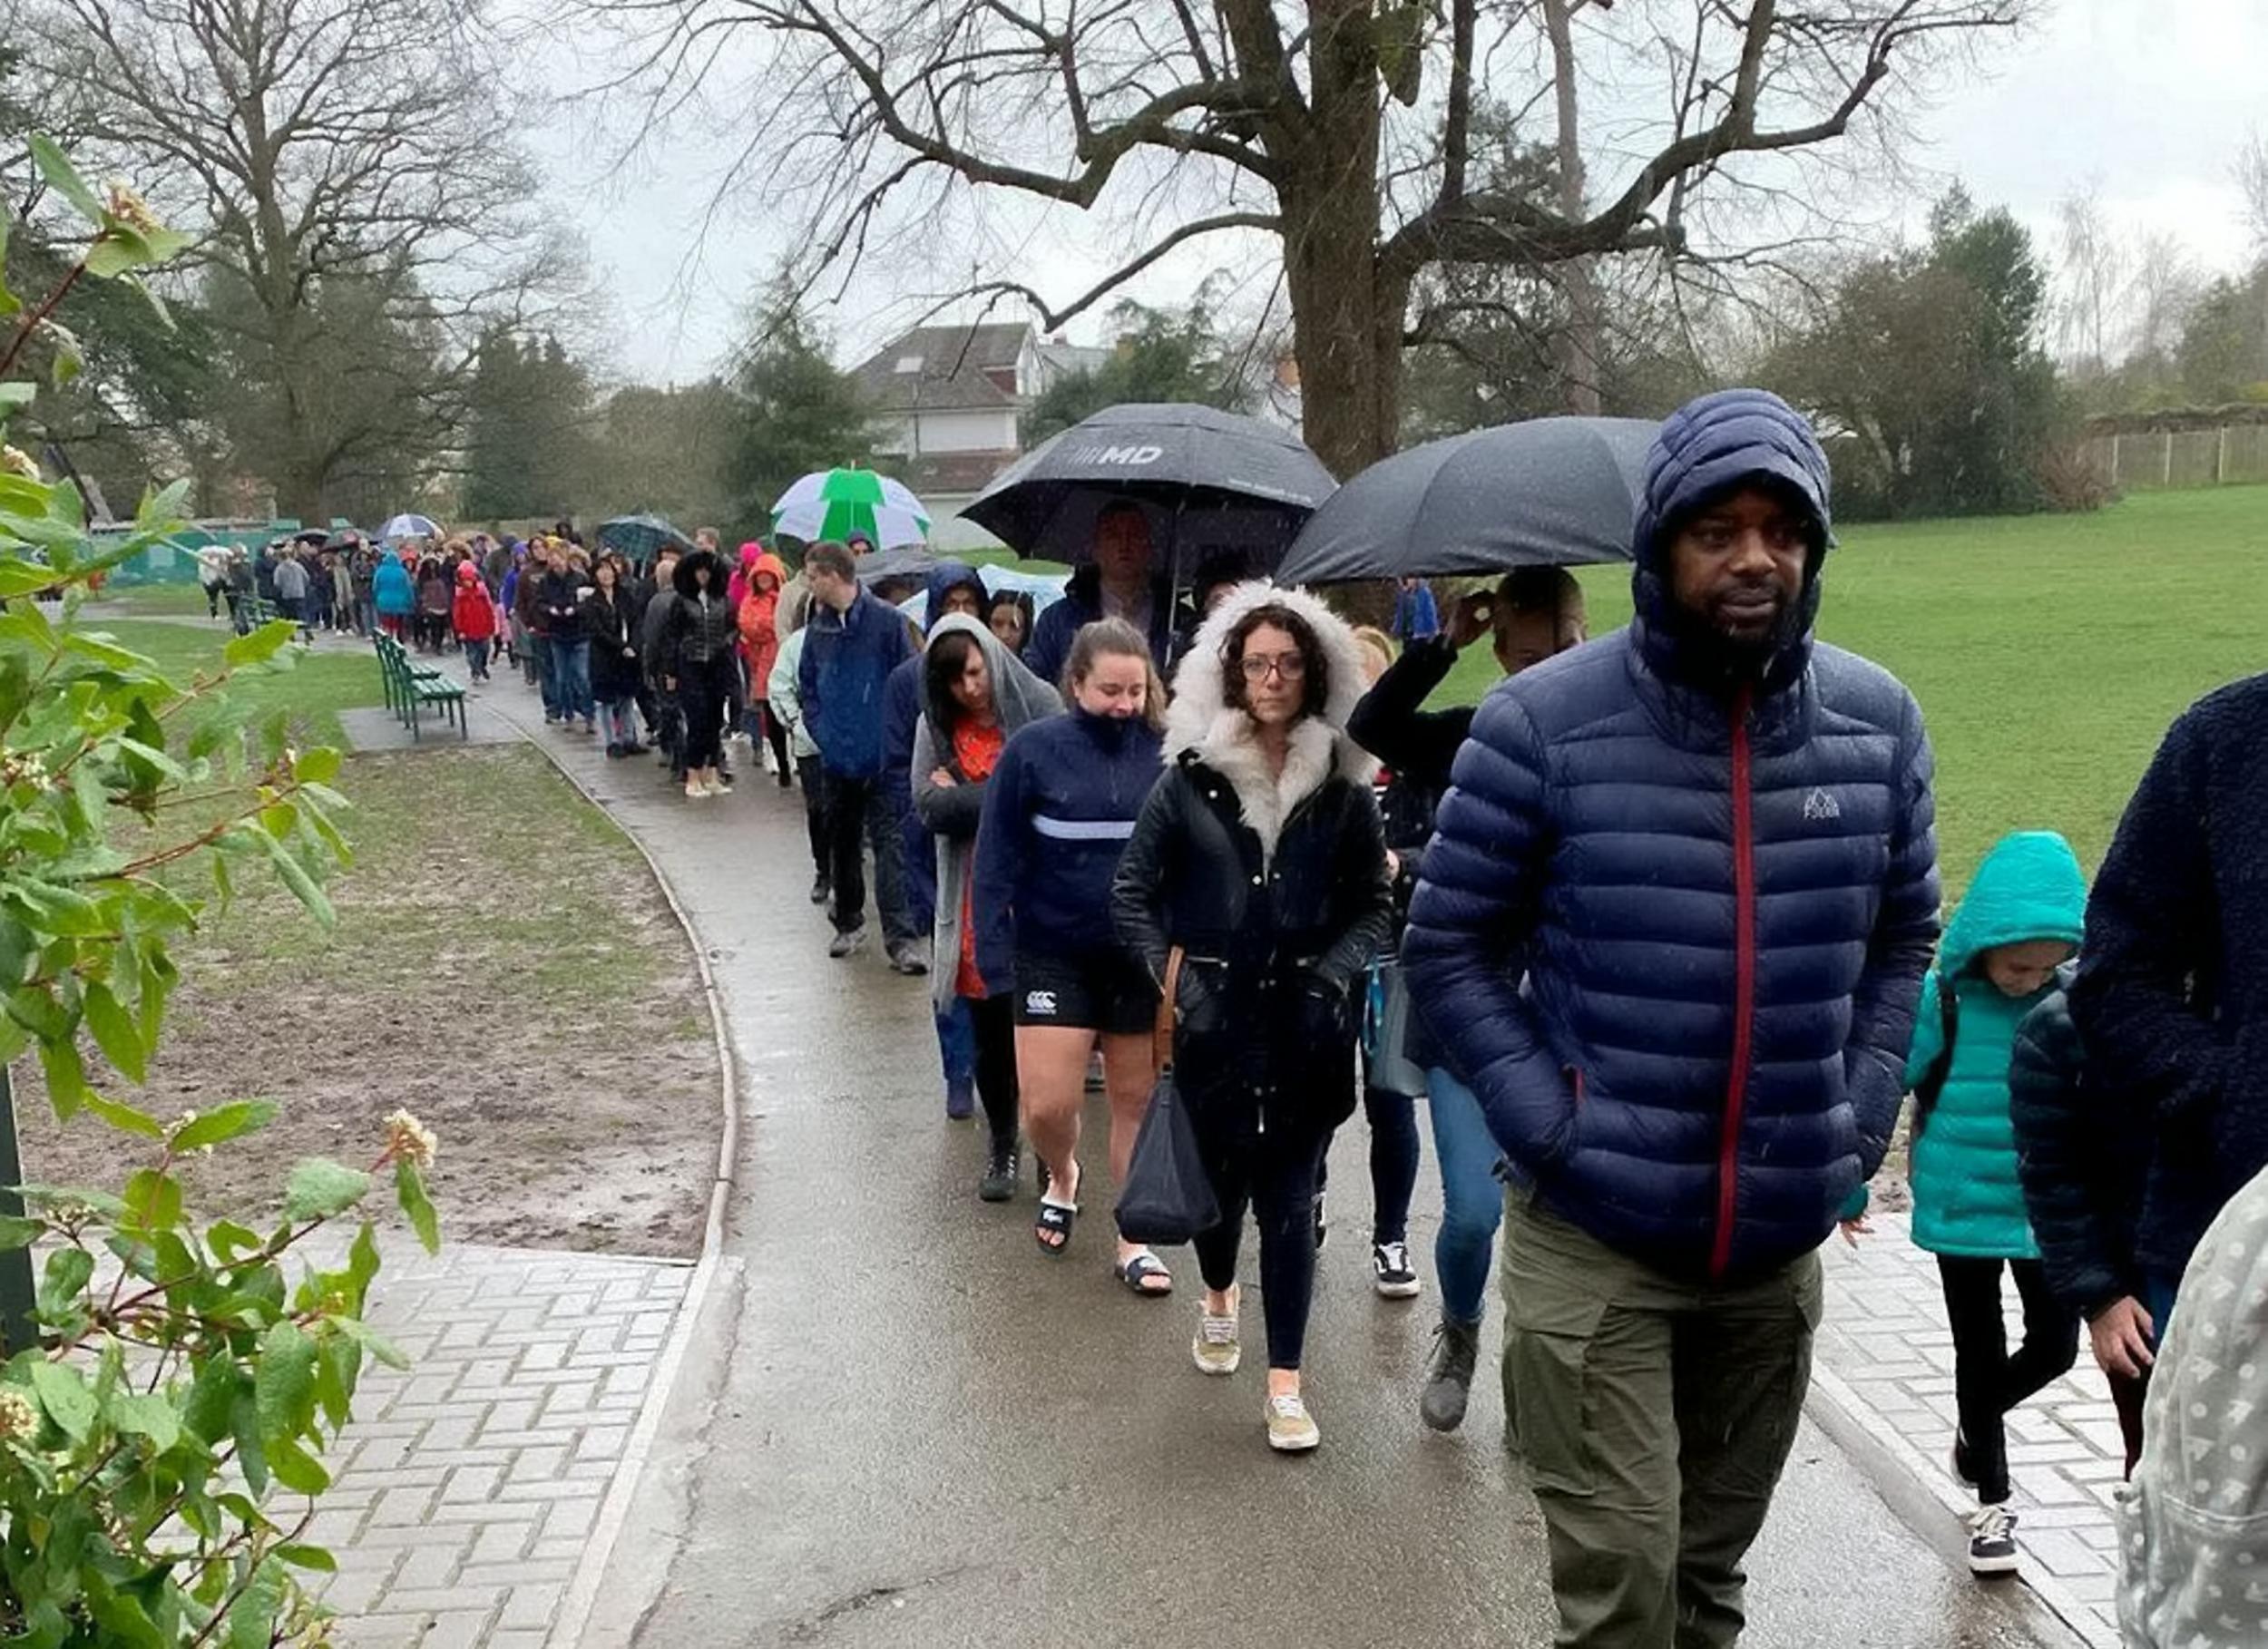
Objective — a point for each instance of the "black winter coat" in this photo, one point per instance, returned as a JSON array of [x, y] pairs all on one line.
[[2080, 1158], [697, 632], [2171, 996], [612, 629], [1265, 1010]]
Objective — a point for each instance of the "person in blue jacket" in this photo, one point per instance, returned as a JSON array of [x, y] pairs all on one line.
[[1058, 814], [2020, 921], [1417, 616], [855, 642], [1121, 581], [1671, 930], [393, 594]]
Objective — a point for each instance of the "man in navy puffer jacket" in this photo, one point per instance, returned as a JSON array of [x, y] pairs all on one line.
[[1707, 842]]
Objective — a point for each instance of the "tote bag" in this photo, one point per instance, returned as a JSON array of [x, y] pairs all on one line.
[[1167, 1196]]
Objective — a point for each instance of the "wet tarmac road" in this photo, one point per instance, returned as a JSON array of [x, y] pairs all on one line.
[[912, 1427]]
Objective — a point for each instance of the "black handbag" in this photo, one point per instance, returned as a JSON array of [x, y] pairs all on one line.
[[1168, 1197]]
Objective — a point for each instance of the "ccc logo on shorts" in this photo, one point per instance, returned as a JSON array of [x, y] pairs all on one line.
[[1039, 1002]]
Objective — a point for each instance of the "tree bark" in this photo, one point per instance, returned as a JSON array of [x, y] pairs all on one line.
[[1577, 343]]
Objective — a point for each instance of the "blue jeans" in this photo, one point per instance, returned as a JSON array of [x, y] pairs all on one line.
[[476, 659], [957, 1041], [621, 721], [1472, 1197], [567, 670]]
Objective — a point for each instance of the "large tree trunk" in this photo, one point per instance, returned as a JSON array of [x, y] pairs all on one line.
[[1579, 341]]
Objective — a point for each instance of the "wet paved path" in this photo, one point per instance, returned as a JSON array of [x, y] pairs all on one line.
[[916, 1430]]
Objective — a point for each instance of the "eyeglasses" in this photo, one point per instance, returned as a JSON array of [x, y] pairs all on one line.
[[1290, 666]]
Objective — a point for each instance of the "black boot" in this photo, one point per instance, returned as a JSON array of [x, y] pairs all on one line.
[[999, 1182]]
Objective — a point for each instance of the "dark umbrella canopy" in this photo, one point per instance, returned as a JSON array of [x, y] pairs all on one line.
[[1207, 480], [907, 561], [1550, 492], [640, 537]]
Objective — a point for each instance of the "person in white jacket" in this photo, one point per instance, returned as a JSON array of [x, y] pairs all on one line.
[[794, 607]]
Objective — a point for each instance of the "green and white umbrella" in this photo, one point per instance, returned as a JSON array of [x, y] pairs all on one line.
[[835, 504]]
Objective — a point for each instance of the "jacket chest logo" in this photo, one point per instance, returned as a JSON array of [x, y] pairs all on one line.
[[1820, 806]]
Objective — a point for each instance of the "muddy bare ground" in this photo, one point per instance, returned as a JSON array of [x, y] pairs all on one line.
[[504, 967]]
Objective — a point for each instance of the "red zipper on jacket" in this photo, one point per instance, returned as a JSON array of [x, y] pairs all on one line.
[[1744, 988]]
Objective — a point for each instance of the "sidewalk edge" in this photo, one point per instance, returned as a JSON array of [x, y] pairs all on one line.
[[582, 1596], [1879, 1451]]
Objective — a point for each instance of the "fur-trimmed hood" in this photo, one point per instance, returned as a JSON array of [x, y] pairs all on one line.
[[1201, 721]]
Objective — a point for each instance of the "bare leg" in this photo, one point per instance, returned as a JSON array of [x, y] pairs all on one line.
[[1051, 1076], [1128, 1072]]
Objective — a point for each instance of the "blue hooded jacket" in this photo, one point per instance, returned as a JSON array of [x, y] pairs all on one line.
[[1721, 891], [845, 666]]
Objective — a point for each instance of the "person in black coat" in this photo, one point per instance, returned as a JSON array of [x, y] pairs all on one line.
[[2172, 995], [699, 664], [1258, 857], [610, 618], [2081, 1160]]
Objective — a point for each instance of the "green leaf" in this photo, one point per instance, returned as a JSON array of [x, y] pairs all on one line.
[[370, 1340], [119, 1038], [304, 1557], [125, 1117], [63, 1391], [153, 1200], [149, 295], [319, 1188], [295, 876], [68, 1272], [316, 766], [160, 510], [116, 252], [211, 1397], [283, 1385], [280, 819], [228, 1239], [258, 646], [252, 1617], [296, 1469], [14, 394], [67, 1088], [108, 652], [224, 1123], [18, 1233], [149, 1416], [362, 1260], [57, 168], [409, 1190], [251, 1454]]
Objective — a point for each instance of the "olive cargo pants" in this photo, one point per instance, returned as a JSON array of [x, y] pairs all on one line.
[[1655, 1416]]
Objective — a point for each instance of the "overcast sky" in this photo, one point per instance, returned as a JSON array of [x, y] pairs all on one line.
[[2147, 101]]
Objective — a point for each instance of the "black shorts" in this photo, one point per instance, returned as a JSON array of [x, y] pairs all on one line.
[[1104, 991]]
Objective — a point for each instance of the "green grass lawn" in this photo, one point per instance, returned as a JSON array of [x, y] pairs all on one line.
[[157, 600], [313, 688], [2048, 652]]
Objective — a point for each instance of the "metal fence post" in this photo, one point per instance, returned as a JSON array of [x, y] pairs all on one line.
[[18, 1331]]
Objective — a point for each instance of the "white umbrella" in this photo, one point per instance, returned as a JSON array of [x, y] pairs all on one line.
[[835, 504], [409, 526]]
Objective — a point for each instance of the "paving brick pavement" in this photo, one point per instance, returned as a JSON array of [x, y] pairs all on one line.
[[468, 1488], [1885, 1356]]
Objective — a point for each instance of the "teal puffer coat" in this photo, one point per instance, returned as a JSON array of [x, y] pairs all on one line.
[[1966, 1197]]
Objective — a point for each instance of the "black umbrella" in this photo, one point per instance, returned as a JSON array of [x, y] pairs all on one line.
[[1550, 492], [640, 537], [311, 535], [907, 561], [1207, 479]]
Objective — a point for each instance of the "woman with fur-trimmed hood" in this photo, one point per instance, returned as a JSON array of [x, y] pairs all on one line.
[[1259, 857]]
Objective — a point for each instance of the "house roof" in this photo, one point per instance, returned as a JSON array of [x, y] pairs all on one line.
[[948, 474], [943, 368]]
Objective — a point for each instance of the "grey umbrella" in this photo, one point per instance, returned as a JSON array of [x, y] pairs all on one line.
[[1208, 480], [1550, 492]]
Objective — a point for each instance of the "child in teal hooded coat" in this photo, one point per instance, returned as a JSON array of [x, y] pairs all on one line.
[[2020, 923]]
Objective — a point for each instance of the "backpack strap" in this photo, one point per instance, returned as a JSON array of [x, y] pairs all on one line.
[[1932, 1082]]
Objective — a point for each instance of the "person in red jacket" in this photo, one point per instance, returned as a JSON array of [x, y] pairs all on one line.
[[764, 575], [473, 618]]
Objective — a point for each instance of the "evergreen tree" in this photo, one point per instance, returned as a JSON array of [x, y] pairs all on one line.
[[796, 412]]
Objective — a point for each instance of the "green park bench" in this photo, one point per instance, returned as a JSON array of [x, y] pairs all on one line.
[[410, 688]]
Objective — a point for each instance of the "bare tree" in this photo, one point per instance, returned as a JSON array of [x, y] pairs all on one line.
[[2092, 274], [2164, 290], [344, 161], [2252, 177], [1355, 133]]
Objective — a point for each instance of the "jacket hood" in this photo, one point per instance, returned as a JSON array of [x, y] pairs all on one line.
[[2029, 886], [751, 553], [1018, 696], [947, 577], [682, 579], [766, 561], [465, 573], [1202, 723], [1709, 447]]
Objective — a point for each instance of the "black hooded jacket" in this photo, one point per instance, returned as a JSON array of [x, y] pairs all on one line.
[[701, 627]]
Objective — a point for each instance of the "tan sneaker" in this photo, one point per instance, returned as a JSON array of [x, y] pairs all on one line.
[[1215, 1347], [1291, 1428]]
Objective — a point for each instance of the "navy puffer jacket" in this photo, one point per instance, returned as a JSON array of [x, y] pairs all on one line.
[[1722, 898]]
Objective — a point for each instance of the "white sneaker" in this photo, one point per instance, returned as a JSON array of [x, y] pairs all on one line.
[[1291, 1428], [1392, 1272], [1991, 1540]]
